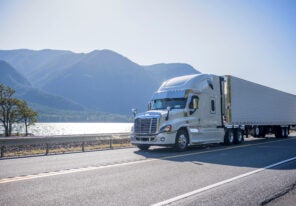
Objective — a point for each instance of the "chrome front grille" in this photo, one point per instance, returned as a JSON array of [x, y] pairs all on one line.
[[145, 126]]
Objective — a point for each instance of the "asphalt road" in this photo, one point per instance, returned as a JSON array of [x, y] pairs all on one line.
[[260, 171]]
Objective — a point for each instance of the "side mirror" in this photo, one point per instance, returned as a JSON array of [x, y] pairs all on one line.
[[193, 106], [134, 111], [149, 106], [168, 114], [195, 103]]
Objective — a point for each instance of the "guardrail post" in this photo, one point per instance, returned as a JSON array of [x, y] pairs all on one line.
[[110, 141], [82, 147], [2, 151], [47, 149]]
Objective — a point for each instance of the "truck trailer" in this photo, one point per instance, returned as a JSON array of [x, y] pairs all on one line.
[[205, 108]]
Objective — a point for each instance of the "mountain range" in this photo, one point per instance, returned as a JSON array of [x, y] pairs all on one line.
[[101, 82]]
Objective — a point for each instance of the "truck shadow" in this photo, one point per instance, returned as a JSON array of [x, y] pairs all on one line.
[[255, 153]]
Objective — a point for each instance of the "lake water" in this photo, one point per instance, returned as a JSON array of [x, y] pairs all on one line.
[[47, 129]]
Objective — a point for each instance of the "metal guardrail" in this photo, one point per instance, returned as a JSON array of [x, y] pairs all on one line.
[[60, 139]]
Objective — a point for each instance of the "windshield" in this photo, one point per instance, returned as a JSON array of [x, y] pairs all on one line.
[[173, 103]]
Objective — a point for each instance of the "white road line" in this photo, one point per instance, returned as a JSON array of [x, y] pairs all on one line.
[[174, 199], [70, 171]]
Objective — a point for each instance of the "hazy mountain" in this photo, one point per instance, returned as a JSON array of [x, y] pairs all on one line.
[[162, 72], [101, 80], [10, 77], [47, 72], [27, 61], [104, 81]]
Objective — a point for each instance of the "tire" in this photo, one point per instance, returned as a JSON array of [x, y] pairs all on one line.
[[238, 136], [286, 132], [259, 132], [182, 141], [143, 147], [279, 132], [283, 132], [229, 137], [262, 132], [256, 132]]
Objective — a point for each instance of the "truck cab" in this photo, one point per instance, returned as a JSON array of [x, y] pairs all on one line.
[[184, 111]]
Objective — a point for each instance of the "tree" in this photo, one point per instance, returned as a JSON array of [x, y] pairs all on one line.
[[28, 116], [7, 104], [13, 110]]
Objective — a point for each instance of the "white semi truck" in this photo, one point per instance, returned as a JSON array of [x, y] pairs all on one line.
[[202, 109]]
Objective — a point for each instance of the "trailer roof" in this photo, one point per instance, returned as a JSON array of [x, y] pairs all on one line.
[[187, 82]]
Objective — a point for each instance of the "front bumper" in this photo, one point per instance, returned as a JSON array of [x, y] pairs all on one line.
[[161, 139]]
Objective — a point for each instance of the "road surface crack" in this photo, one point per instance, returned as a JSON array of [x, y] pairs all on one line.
[[278, 195]]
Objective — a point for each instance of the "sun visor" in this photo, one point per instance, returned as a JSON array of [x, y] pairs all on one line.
[[169, 94]]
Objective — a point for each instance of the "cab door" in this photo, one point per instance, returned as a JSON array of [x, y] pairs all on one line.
[[204, 121], [194, 119], [213, 129]]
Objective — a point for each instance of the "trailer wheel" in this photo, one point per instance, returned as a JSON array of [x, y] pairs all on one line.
[[229, 137], [283, 132], [262, 132], [143, 147], [277, 132], [238, 136], [257, 132], [280, 132], [286, 132], [182, 141]]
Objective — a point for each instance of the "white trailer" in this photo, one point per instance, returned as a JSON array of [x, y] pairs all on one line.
[[203, 108]]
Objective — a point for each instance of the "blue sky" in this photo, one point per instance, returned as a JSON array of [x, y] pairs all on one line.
[[251, 39]]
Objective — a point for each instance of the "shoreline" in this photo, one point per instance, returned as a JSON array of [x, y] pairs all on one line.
[[70, 128]]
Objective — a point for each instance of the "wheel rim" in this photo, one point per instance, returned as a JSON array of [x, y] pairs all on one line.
[[257, 131], [182, 142], [239, 137], [230, 137]]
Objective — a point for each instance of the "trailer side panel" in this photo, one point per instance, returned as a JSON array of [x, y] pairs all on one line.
[[254, 104]]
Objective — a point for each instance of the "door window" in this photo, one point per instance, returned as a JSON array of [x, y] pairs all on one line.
[[193, 105], [213, 106]]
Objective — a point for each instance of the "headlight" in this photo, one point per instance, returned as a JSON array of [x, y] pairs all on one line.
[[166, 128]]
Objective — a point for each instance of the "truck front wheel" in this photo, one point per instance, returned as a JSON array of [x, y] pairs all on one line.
[[143, 147], [181, 141]]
